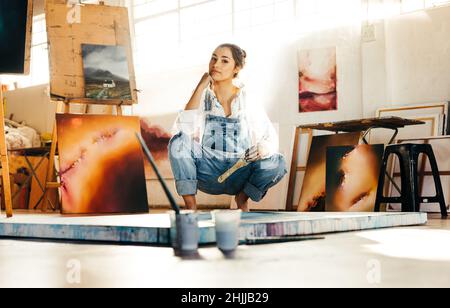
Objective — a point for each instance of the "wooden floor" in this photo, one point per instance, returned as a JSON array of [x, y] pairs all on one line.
[[398, 257]]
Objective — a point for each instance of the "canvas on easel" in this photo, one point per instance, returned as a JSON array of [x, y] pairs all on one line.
[[106, 73], [95, 25], [76, 76], [15, 43]]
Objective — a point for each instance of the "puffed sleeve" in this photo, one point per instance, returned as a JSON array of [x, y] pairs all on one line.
[[261, 128]]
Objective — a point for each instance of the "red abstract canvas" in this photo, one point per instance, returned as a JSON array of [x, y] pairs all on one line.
[[317, 80]]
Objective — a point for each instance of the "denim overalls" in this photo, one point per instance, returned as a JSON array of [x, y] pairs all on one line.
[[198, 166]]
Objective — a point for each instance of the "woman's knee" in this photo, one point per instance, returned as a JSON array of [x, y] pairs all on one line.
[[276, 164], [280, 163], [179, 146]]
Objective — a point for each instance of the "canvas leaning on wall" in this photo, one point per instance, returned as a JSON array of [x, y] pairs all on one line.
[[352, 177], [312, 198], [157, 139], [101, 165]]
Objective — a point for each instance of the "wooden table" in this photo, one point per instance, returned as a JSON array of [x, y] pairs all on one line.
[[43, 153], [365, 125]]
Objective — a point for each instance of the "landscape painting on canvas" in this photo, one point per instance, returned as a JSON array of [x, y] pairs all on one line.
[[106, 74], [101, 165], [317, 80]]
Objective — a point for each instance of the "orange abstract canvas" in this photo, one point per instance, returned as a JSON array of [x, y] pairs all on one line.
[[101, 165], [352, 177], [312, 198]]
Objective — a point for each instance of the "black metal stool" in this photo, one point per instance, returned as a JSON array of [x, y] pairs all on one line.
[[410, 199]]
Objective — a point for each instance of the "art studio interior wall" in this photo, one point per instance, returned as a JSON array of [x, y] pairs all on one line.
[[409, 62]]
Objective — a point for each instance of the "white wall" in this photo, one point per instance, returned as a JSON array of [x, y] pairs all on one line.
[[409, 63], [42, 113]]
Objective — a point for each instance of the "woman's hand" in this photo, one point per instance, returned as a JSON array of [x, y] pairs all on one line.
[[195, 100], [204, 82], [257, 152]]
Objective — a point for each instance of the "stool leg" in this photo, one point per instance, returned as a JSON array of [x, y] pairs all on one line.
[[437, 182], [408, 189], [415, 180], [381, 179]]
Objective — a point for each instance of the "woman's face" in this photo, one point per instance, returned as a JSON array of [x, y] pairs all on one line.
[[222, 65]]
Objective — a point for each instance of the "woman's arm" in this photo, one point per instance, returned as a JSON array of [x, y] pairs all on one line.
[[188, 118], [196, 98]]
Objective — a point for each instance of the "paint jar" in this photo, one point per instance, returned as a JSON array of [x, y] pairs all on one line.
[[227, 223], [184, 231]]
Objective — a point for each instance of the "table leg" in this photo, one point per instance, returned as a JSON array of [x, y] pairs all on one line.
[[37, 178]]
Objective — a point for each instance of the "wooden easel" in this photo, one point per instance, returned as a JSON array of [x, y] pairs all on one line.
[[98, 24], [64, 107], [6, 183]]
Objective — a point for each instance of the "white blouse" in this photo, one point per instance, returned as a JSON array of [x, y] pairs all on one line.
[[261, 129]]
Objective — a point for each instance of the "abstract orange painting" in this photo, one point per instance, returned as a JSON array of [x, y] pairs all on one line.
[[313, 194], [352, 177], [101, 165]]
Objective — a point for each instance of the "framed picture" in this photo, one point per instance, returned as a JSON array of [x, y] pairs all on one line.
[[423, 111]]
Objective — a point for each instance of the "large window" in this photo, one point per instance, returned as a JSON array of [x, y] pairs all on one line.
[[174, 34], [168, 33], [415, 5]]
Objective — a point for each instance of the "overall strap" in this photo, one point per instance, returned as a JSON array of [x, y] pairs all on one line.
[[208, 102]]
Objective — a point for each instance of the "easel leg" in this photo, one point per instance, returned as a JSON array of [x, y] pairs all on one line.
[[6, 184], [293, 174], [50, 178], [119, 110]]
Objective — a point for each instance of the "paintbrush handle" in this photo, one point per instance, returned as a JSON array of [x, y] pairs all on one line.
[[240, 164]]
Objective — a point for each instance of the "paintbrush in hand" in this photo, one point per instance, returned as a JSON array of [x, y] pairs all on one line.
[[240, 164], [251, 155]]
